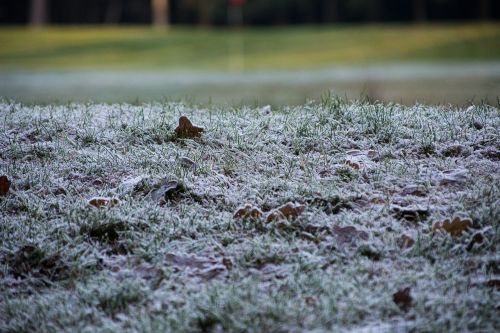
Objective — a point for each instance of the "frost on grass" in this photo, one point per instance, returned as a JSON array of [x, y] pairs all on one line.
[[324, 217]]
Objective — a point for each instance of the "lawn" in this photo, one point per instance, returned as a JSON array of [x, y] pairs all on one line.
[[391, 223], [128, 48]]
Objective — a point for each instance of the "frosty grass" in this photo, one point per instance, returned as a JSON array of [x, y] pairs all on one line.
[[184, 264]]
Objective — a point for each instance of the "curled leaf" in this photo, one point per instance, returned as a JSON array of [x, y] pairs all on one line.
[[4, 185], [247, 211], [405, 242], [166, 190], [454, 227], [348, 234], [186, 129], [413, 189], [286, 211], [130, 185], [352, 164], [187, 163], [450, 177], [403, 299], [204, 267], [104, 202], [410, 213], [494, 283]]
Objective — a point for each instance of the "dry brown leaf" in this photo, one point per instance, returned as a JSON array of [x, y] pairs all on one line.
[[4, 185], [310, 300], [410, 213], [348, 234], [286, 211], [454, 227], [352, 164], [123, 266], [167, 189], [248, 211], [413, 189], [405, 242], [204, 267], [455, 176], [403, 299], [494, 283], [186, 129], [104, 202]]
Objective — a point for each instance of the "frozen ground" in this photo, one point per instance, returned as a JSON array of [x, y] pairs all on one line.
[[456, 83], [374, 182]]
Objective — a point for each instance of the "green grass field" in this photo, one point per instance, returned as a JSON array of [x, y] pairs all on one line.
[[282, 48]]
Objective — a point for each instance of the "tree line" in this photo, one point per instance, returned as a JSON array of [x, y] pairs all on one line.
[[253, 12]]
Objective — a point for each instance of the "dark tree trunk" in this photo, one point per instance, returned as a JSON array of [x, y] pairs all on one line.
[[205, 12], [330, 11], [38, 13], [484, 10], [420, 10], [375, 11], [114, 11]]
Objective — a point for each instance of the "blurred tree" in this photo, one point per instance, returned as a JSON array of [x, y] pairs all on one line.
[[38, 13], [159, 9], [204, 10], [420, 10], [114, 11], [484, 9], [330, 10], [375, 9]]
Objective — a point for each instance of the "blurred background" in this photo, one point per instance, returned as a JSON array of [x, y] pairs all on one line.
[[250, 51]]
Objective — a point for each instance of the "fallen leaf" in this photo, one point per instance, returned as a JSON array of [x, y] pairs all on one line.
[[403, 299], [167, 190], [310, 300], [4, 185], [103, 202], [454, 227], [410, 213], [271, 272], [405, 242], [493, 283], [417, 190], [354, 152], [123, 266], [187, 163], [186, 129], [248, 211], [348, 234], [453, 177], [352, 164], [286, 211], [205, 267], [130, 184], [362, 153]]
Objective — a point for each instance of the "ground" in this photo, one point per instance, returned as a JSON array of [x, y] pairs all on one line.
[[392, 223]]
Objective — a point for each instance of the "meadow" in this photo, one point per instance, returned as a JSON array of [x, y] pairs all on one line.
[[433, 63], [127, 48]]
